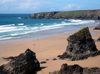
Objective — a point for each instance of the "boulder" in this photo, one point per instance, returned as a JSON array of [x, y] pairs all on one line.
[[94, 70], [71, 69], [98, 39], [76, 69], [25, 63], [80, 46], [97, 28]]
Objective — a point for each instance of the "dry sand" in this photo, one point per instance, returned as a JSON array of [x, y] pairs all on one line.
[[48, 48]]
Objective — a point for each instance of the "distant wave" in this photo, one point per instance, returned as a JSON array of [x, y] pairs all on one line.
[[42, 24], [7, 25], [12, 28], [19, 17], [6, 38], [75, 20], [21, 24], [21, 33]]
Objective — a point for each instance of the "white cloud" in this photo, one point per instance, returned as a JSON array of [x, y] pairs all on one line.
[[71, 6], [23, 4]]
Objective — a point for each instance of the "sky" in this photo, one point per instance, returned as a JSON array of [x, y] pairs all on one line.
[[35, 6]]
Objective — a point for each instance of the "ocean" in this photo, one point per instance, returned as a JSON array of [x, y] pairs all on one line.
[[13, 27]]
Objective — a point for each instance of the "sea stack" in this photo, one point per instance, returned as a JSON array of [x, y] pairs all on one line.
[[25, 63], [80, 46]]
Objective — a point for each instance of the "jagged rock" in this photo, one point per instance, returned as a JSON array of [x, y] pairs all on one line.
[[76, 69], [25, 63], [80, 46]]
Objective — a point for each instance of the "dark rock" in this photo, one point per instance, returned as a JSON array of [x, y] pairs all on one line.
[[43, 62], [76, 69], [54, 59], [47, 59], [59, 56], [25, 17], [72, 69], [43, 15], [97, 28], [25, 63], [80, 46], [98, 39], [93, 70], [8, 58], [55, 72]]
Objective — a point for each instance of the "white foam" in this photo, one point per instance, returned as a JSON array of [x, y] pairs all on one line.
[[3, 36], [5, 28], [8, 30], [78, 22], [33, 28], [6, 38], [42, 24], [7, 25], [21, 24], [19, 17], [22, 33], [14, 34], [75, 20]]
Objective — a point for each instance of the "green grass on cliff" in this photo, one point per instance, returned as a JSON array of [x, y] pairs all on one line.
[[70, 13]]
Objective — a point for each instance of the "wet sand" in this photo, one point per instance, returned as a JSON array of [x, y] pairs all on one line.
[[48, 48]]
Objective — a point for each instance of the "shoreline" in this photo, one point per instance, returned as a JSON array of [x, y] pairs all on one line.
[[48, 48], [45, 36]]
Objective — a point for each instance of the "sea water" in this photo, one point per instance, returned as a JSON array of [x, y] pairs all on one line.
[[13, 27]]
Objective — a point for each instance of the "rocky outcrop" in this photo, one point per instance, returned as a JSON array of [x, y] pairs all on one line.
[[81, 14], [43, 15], [76, 69], [25, 63], [80, 46]]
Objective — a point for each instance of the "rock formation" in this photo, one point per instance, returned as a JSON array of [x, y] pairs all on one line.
[[76, 69], [25, 63], [80, 46]]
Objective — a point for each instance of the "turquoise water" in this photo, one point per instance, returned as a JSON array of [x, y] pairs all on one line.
[[12, 26]]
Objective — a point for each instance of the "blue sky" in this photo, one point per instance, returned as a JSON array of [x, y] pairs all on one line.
[[34, 6]]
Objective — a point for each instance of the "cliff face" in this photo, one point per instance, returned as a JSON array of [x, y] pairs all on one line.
[[82, 14], [43, 15]]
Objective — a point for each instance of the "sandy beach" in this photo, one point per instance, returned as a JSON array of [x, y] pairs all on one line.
[[48, 48]]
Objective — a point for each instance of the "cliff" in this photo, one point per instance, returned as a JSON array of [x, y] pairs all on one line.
[[80, 14]]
